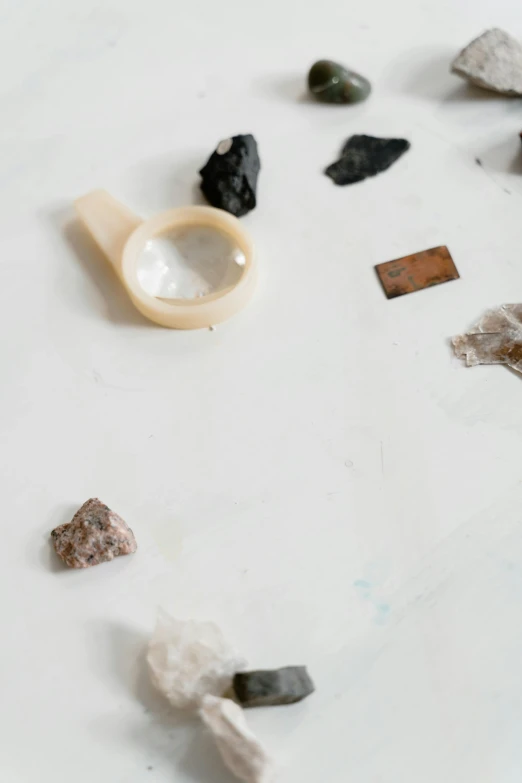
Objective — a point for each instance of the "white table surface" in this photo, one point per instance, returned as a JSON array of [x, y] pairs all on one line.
[[319, 476]]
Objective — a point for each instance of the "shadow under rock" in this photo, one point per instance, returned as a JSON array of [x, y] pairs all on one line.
[[426, 73], [289, 89], [166, 181], [422, 72], [465, 92], [506, 156], [176, 736]]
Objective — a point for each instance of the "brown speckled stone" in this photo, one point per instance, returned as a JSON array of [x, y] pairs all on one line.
[[95, 534]]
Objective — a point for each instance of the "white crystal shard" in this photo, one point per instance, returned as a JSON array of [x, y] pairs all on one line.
[[496, 339], [239, 748], [492, 61], [190, 659]]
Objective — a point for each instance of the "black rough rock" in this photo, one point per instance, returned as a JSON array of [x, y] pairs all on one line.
[[229, 177], [365, 156], [273, 687]]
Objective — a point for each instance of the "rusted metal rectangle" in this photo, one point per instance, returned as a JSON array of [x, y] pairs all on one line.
[[418, 271]]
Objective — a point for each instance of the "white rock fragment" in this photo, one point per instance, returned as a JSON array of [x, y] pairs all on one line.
[[496, 339], [190, 659], [238, 746], [493, 61]]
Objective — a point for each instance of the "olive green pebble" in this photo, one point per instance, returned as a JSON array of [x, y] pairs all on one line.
[[330, 82]]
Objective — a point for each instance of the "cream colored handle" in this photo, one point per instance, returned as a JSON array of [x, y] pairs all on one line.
[[109, 222]]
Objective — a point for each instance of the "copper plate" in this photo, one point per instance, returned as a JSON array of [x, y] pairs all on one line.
[[418, 271]]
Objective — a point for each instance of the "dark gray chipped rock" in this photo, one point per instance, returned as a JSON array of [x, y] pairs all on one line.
[[272, 687], [229, 178], [95, 534], [365, 156]]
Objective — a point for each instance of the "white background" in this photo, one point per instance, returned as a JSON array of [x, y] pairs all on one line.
[[319, 476]]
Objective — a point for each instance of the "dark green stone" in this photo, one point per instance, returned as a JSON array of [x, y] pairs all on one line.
[[330, 82]]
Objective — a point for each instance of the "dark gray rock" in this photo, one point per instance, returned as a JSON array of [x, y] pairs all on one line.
[[229, 178], [365, 156], [272, 687]]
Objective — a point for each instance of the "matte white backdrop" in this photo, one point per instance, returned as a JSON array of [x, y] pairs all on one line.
[[320, 476]]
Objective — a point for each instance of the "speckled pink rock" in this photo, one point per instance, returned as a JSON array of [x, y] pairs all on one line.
[[95, 534]]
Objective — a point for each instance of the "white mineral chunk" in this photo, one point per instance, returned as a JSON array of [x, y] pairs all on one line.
[[190, 659], [492, 61], [239, 748], [496, 339]]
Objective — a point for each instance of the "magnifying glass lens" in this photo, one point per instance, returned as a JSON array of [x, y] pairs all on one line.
[[188, 263]]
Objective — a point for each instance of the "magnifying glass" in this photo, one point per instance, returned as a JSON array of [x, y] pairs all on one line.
[[186, 268]]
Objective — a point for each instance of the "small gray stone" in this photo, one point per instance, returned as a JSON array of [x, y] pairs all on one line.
[[272, 687], [492, 61]]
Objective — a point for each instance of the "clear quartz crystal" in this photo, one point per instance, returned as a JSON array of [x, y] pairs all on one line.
[[190, 659], [496, 339]]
